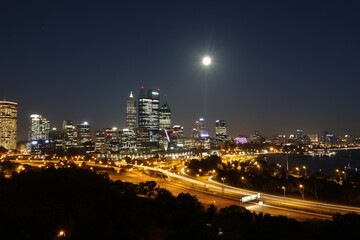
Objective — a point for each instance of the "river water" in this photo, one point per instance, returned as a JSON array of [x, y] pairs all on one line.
[[320, 163]]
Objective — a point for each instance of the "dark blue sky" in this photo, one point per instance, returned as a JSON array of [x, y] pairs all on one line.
[[278, 65]]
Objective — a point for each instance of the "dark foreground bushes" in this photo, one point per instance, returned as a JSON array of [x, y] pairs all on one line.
[[39, 204]]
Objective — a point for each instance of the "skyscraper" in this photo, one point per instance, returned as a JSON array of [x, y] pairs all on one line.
[[70, 137], [127, 140], [99, 141], [220, 131], [165, 117], [200, 135], [39, 127], [148, 114], [130, 112], [177, 137], [83, 133], [200, 129], [112, 140], [8, 124], [56, 138]]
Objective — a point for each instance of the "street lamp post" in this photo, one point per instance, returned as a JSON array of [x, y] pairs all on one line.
[[344, 175], [283, 188], [287, 161], [223, 180], [305, 171], [302, 191], [61, 234], [243, 178], [338, 175]]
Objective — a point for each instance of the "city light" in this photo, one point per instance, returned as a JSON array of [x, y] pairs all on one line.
[[61, 234], [180, 121]]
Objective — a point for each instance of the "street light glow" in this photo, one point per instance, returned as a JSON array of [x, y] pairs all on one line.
[[206, 60], [61, 233]]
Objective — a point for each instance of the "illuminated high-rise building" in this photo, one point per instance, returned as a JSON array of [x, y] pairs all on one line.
[[256, 137], [99, 141], [299, 134], [177, 137], [200, 129], [83, 133], [130, 112], [8, 124], [142, 139], [112, 140], [220, 131], [127, 140], [70, 135], [165, 117], [200, 135], [39, 127], [56, 138], [148, 114]]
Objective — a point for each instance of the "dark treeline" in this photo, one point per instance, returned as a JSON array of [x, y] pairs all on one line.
[[38, 204]]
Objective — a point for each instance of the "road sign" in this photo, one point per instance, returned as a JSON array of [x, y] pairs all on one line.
[[250, 198]]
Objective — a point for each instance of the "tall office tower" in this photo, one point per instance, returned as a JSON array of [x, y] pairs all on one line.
[[220, 131], [299, 134], [130, 112], [142, 139], [165, 117], [179, 130], [8, 124], [127, 140], [257, 138], [99, 141], [177, 136], [164, 126], [83, 133], [70, 135], [201, 128], [148, 114], [201, 136], [56, 138], [39, 127], [112, 140], [328, 139]]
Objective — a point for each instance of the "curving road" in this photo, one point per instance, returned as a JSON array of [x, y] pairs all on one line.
[[209, 192]]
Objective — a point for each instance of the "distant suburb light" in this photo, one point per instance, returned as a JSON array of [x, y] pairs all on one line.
[[206, 60], [61, 234]]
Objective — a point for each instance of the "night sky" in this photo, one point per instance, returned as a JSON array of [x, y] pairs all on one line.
[[277, 65]]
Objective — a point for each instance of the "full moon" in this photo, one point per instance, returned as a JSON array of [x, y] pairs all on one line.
[[206, 61]]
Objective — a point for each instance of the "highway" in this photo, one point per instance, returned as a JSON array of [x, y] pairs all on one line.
[[221, 195]]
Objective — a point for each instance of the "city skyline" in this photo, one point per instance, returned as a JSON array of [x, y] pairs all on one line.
[[211, 127], [202, 119], [276, 67]]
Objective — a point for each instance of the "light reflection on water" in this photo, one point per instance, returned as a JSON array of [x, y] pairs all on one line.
[[325, 164]]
